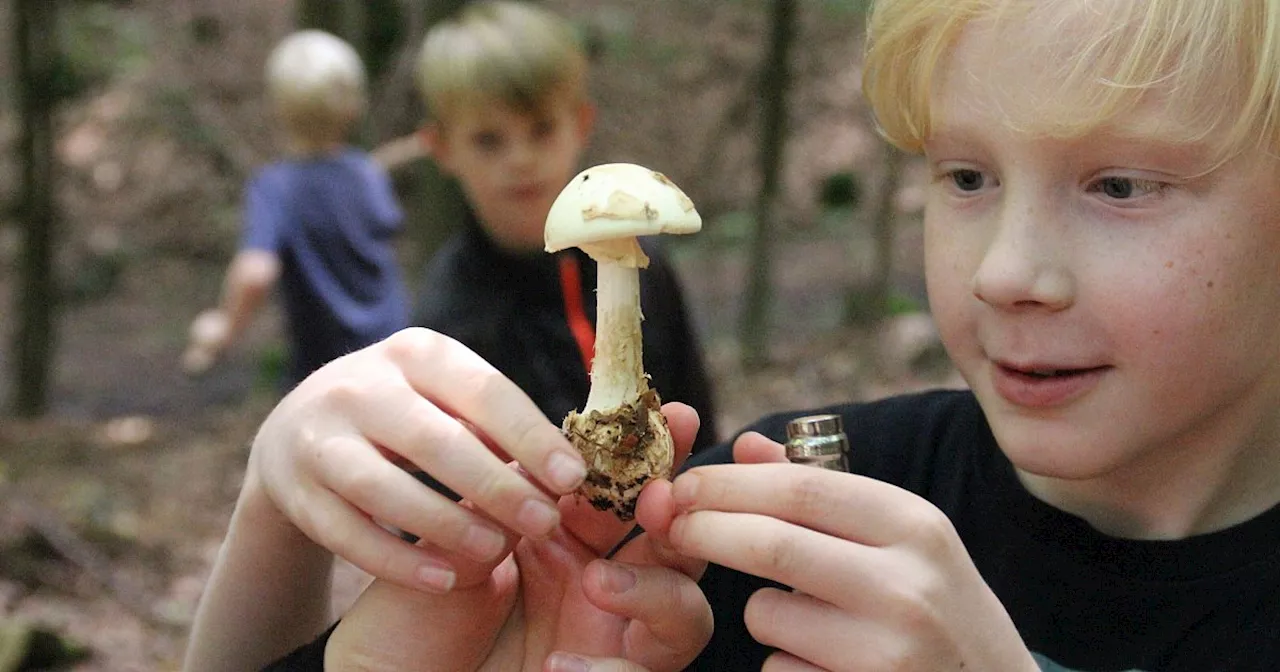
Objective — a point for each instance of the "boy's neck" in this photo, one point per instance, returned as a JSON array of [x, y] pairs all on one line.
[[1199, 490], [319, 150]]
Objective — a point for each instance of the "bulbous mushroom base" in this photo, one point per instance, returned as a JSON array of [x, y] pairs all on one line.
[[624, 448]]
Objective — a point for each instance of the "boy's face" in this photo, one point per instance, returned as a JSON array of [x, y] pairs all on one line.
[[1114, 307], [513, 164]]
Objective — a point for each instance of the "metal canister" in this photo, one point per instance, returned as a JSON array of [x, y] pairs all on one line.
[[819, 441]]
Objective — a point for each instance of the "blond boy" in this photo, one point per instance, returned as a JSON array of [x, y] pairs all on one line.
[[505, 86], [319, 223]]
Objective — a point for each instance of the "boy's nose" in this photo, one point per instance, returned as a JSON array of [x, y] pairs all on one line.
[[1024, 266], [523, 154]]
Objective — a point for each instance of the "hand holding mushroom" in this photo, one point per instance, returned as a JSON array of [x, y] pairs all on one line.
[[621, 431]]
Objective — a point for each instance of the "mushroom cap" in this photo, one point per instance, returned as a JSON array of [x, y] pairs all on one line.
[[616, 201]]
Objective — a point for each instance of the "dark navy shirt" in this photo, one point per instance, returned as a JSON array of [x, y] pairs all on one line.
[[331, 221]]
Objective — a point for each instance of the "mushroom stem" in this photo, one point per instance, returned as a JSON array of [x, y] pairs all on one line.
[[617, 372]]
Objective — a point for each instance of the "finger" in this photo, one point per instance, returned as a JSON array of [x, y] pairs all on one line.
[[865, 644], [654, 513], [819, 499], [357, 473], [683, 421], [568, 662], [755, 448], [471, 388], [827, 567], [404, 422], [670, 618], [785, 662], [332, 523], [601, 530]]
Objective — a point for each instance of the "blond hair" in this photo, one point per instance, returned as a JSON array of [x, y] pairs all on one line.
[[512, 53], [1215, 64], [316, 85]]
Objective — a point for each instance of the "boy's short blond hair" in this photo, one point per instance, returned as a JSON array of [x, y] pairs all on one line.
[[316, 85], [1214, 64], [502, 51]]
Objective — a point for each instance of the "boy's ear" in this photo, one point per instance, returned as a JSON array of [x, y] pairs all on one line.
[[586, 121]]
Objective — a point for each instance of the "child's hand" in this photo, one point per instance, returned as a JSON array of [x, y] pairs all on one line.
[[876, 568], [207, 338], [329, 458], [550, 595]]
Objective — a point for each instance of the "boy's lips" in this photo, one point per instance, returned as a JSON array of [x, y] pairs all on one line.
[[527, 192], [1043, 385]]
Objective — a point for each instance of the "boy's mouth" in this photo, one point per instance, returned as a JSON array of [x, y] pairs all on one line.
[[1044, 386], [1047, 373]]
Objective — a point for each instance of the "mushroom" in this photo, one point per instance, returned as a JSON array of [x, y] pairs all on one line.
[[621, 431]]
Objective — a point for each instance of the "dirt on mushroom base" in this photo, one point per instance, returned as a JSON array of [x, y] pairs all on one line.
[[624, 449]]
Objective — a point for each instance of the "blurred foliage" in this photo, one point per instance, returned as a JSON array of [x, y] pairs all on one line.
[[26, 646], [843, 8], [95, 276], [836, 8], [272, 360], [98, 41], [867, 308], [840, 190]]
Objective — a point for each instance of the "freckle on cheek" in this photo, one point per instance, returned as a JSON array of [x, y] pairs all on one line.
[[1168, 264], [1209, 284]]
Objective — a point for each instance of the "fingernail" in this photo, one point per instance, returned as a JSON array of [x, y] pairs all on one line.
[[437, 578], [685, 491], [482, 543], [537, 518], [566, 472], [617, 578], [564, 662]]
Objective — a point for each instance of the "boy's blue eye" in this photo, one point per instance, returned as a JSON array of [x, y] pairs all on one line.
[[1125, 188], [967, 179], [1116, 187]]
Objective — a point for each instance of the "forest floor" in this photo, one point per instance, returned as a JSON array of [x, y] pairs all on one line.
[[112, 507]]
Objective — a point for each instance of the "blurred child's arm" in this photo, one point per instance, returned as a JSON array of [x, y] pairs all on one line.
[[249, 280], [396, 153]]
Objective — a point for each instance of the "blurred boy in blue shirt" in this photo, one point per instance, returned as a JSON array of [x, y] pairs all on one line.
[[319, 222]]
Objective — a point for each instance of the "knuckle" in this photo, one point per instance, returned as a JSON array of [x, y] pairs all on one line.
[[809, 496], [493, 487], [778, 553], [346, 392], [409, 344], [360, 482], [929, 530]]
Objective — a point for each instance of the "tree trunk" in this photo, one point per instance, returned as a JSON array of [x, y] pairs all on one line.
[[775, 84], [869, 305], [34, 40], [344, 18], [434, 204]]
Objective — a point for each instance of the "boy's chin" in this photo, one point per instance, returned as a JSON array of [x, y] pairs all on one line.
[[1048, 449]]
